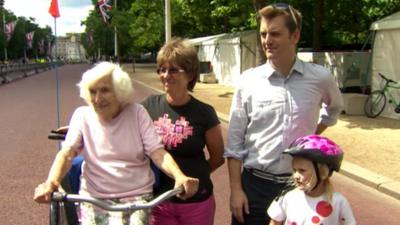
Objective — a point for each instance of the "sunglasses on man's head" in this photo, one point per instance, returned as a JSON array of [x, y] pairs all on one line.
[[173, 70], [288, 8]]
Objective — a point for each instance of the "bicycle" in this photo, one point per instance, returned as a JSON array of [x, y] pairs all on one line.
[[376, 100], [58, 198]]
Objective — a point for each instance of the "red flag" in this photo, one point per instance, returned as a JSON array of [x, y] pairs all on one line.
[[53, 10]]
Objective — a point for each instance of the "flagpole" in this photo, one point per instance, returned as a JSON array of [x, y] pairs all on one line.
[[167, 20], [5, 43], [56, 69], [115, 36]]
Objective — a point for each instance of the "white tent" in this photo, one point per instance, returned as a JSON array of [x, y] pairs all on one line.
[[386, 56], [230, 54]]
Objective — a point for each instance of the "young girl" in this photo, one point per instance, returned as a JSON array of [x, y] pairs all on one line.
[[311, 199]]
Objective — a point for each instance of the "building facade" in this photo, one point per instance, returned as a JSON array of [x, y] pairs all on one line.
[[69, 48]]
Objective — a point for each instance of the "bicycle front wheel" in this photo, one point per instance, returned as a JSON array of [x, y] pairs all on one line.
[[374, 104]]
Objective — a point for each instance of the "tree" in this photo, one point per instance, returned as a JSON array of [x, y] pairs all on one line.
[[146, 27], [140, 23], [101, 33], [318, 18], [260, 55]]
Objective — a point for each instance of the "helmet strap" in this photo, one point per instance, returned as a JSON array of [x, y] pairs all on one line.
[[317, 175]]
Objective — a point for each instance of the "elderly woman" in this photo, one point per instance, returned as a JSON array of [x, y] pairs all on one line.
[[186, 126], [116, 138]]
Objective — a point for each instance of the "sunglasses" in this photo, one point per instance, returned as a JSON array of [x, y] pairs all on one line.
[[288, 8], [172, 70]]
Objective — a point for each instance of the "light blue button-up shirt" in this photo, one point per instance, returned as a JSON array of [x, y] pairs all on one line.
[[269, 111]]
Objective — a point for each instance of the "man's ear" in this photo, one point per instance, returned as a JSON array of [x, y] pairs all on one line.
[[296, 36]]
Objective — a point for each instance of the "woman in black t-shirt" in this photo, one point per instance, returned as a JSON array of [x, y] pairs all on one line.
[[186, 125]]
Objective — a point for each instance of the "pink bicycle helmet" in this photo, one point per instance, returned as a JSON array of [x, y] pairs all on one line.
[[318, 149]]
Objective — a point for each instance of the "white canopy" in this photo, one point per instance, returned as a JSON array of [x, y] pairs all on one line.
[[390, 22], [386, 57], [229, 53]]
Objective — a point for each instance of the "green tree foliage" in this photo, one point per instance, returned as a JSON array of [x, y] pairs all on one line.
[[146, 24], [17, 45], [233, 15], [101, 33], [140, 24], [343, 23], [195, 18], [141, 28]]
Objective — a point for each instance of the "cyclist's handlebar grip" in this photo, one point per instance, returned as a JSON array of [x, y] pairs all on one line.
[[54, 135], [58, 196]]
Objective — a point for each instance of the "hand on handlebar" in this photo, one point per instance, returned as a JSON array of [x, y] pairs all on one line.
[[190, 186], [43, 192]]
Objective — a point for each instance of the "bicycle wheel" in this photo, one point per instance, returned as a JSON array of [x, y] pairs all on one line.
[[374, 104]]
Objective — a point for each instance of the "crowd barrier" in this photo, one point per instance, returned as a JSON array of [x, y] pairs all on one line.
[[11, 72]]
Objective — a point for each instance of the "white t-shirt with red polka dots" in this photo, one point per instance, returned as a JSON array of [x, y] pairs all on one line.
[[297, 208]]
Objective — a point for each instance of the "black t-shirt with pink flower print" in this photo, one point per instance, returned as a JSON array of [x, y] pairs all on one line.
[[183, 129]]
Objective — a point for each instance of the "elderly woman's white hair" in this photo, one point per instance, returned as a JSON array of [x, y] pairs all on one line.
[[122, 83]]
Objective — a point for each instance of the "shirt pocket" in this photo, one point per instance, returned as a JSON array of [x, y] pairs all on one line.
[[306, 110], [265, 110]]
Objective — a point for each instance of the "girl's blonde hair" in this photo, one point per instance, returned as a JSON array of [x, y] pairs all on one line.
[[324, 174]]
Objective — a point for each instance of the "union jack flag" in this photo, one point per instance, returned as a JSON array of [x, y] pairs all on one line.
[[41, 46], [9, 29], [104, 7], [29, 38]]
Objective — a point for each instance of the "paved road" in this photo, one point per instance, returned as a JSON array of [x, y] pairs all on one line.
[[28, 112]]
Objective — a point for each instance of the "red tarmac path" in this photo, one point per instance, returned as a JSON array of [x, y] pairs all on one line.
[[28, 112]]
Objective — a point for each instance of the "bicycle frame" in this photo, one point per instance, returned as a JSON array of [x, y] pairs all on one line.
[[386, 90], [376, 100]]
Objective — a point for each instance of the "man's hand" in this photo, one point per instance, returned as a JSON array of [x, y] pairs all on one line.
[[239, 204]]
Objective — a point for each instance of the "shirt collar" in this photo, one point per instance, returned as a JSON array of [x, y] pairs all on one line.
[[298, 68]]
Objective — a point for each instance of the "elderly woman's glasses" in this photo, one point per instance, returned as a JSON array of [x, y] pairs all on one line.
[[288, 8], [172, 70]]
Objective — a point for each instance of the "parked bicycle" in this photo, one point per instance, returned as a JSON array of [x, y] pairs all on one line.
[[376, 101]]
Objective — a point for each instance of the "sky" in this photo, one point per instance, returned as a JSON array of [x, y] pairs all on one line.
[[72, 12]]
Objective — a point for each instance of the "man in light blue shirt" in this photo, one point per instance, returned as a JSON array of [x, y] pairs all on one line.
[[273, 105]]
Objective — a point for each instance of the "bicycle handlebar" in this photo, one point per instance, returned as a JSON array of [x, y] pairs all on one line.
[[54, 135], [387, 79], [106, 205]]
